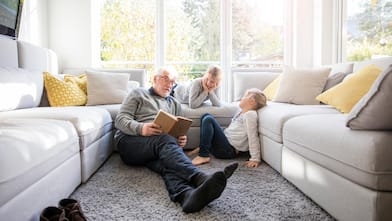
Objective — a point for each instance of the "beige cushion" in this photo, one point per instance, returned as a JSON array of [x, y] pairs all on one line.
[[106, 88], [30, 149], [301, 86], [363, 157], [373, 111], [273, 117], [91, 123]]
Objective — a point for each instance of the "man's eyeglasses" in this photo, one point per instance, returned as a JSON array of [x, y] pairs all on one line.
[[167, 80]]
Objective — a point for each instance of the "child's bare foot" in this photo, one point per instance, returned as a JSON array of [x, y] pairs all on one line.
[[192, 152], [200, 160]]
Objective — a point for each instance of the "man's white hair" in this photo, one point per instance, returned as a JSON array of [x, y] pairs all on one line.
[[169, 69]]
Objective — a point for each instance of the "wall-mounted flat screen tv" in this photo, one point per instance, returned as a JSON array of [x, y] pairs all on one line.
[[9, 17]]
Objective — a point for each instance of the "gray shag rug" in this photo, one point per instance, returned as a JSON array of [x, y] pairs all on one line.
[[120, 192]]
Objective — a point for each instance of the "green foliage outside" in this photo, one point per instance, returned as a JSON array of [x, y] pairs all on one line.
[[192, 35], [375, 31]]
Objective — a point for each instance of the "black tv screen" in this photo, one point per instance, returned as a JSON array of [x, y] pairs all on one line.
[[9, 17]]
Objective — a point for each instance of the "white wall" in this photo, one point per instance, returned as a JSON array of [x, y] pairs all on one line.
[[70, 32], [34, 23]]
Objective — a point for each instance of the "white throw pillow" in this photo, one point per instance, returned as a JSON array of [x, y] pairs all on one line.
[[301, 86], [106, 88]]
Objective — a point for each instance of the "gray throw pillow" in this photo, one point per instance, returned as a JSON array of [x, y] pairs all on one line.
[[334, 79], [373, 111]]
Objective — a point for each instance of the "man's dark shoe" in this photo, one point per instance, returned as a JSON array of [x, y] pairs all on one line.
[[72, 209], [52, 213]]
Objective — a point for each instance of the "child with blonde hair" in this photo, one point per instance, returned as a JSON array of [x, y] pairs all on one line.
[[200, 89], [240, 136]]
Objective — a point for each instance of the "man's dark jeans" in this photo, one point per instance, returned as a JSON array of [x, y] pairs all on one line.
[[162, 155]]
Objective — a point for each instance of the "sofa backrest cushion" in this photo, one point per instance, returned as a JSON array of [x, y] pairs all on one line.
[[242, 81], [32, 57], [19, 88], [373, 111], [139, 75], [8, 53], [346, 68], [382, 63]]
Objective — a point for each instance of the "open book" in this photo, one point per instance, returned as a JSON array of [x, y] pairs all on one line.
[[173, 125]]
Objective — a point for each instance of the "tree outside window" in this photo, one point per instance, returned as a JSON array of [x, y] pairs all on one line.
[[369, 29], [192, 34]]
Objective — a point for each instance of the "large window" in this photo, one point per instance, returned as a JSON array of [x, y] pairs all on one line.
[[192, 34], [257, 33], [369, 29], [128, 33]]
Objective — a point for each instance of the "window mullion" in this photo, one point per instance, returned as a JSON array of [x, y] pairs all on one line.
[[160, 35], [226, 47]]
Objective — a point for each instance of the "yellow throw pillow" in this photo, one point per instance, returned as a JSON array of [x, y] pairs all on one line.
[[80, 80], [272, 88], [61, 93], [345, 95]]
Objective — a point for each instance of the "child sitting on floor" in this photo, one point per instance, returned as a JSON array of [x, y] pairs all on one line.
[[240, 136]]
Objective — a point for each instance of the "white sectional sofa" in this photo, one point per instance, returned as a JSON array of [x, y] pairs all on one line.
[[347, 172], [45, 152]]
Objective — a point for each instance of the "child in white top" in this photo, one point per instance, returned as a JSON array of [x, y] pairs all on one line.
[[240, 136], [200, 89]]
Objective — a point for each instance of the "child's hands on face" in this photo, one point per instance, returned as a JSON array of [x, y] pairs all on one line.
[[252, 164], [204, 83], [210, 84]]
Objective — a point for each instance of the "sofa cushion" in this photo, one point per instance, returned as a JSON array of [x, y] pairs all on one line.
[[242, 81], [20, 88], [63, 93], [346, 94], [91, 123], [363, 157], [346, 68], [273, 116], [382, 63], [106, 88], [222, 114], [373, 111], [30, 148], [301, 86]]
